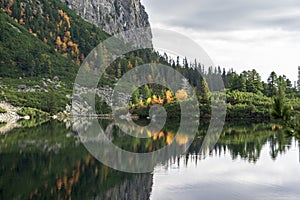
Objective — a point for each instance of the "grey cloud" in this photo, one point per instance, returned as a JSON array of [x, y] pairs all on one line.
[[220, 15]]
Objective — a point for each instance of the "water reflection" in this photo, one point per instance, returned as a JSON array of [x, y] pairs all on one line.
[[247, 163], [49, 162]]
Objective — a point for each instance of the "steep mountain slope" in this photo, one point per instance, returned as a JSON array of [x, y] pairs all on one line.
[[43, 26], [22, 54], [41, 39], [113, 16], [62, 31]]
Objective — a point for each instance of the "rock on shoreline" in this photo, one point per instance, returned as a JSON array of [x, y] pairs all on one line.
[[11, 114], [10, 117]]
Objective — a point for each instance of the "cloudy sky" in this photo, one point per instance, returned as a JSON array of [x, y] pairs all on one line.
[[238, 34]]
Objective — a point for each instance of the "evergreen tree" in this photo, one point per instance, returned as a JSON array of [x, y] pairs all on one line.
[[204, 94], [147, 92], [135, 97], [280, 109], [253, 83], [16, 11], [204, 99], [52, 103], [272, 80]]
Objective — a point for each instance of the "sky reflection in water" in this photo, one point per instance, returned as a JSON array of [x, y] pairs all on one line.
[[221, 177]]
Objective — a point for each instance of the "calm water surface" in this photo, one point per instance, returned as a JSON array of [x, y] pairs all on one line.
[[222, 177], [249, 162]]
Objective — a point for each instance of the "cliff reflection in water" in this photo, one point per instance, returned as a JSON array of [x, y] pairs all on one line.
[[49, 161]]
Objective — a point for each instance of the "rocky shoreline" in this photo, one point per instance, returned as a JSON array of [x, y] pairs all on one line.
[[9, 118], [11, 113]]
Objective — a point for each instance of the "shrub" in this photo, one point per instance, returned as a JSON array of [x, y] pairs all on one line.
[[32, 112], [2, 110]]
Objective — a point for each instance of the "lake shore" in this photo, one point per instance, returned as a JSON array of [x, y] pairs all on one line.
[[11, 114]]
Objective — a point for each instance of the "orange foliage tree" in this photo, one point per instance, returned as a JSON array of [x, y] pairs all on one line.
[[169, 96], [181, 95]]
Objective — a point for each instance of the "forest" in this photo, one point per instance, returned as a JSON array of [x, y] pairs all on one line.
[[46, 40]]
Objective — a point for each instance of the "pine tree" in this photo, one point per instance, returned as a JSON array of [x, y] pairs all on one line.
[[135, 97], [280, 108], [272, 80], [205, 94]]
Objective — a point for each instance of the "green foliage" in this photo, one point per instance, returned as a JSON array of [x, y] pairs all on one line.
[[102, 107], [40, 100], [32, 113], [293, 126], [147, 92], [45, 21], [272, 83], [2, 110], [39, 58], [50, 151], [50, 19], [204, 93], [247, 105], [280, 108], [247, 140], [35, 121], [135, 97], [237, 82], [17, 61], [173, 110]]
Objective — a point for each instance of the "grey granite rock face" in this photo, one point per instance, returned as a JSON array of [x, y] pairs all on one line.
[[138, 187], [113, 16]]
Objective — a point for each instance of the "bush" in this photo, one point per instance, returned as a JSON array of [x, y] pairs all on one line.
[[51, 102], [2, 110], [246, 105], [32, 112]]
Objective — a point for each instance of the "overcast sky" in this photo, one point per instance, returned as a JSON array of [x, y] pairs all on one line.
[[238, 34]]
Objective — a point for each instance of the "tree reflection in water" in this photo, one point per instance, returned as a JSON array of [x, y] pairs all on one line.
[[48, 161]]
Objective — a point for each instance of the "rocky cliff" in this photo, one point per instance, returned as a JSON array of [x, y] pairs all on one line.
[[113, 16], [138, 187]]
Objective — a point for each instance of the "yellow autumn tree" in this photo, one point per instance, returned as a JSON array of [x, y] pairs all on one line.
[[67, 19], [154, 99], [160, 101], [181, 95], [129, 65], [155, 136], [58, 42], [60, 23], [60, 12], [169, 138], [161, 134], [76, 49], [148, 101], [157, 100], [64, 47], [70, 44], [67, 36], [141, 103], [182, 139], [169, 96], [21, 21]]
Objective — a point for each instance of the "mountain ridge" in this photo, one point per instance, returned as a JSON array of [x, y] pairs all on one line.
[[114, 16]]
